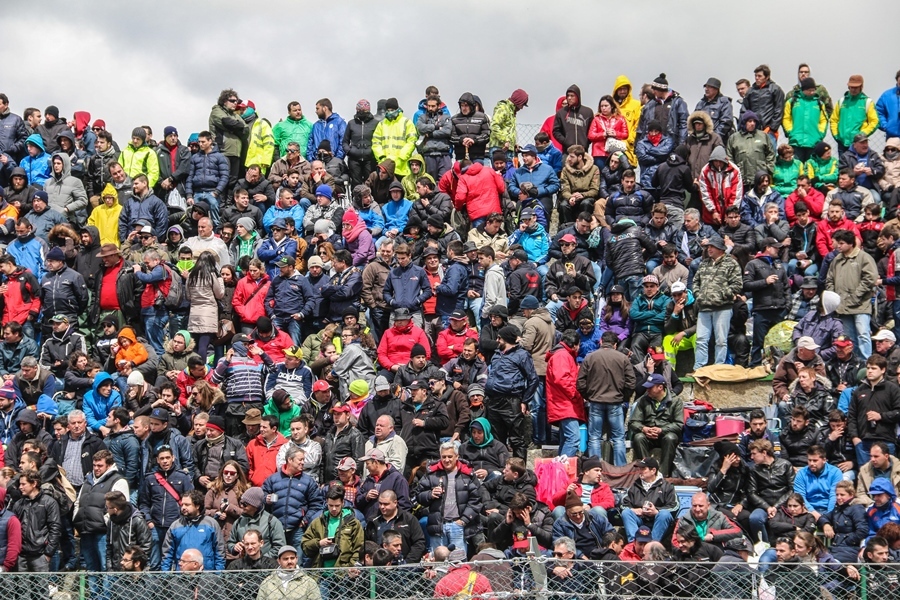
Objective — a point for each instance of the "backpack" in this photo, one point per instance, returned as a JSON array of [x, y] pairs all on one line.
[[175, 298], [466, 592]]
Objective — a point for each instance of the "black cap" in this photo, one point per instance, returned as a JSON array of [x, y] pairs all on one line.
[[520, 255]]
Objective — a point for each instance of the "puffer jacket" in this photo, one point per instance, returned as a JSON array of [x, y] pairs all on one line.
[[397, 343], [650, 157], [299, 497], [439, 204], [571, 125], [649, 314], [468, 498], [768, 103], [423, 441], [564, 401], [720, 113], [491, 455], [541, 176], [357, 142], [331, 129], [124, 530], [754, 202], [635, 206], [765, 295], [719, 189], [676, 128], [249, 299], [201, 533], [626, 248], [850, 529], [501, 491], [228, 129], [208, 173], [751, 152], [157, 505], [66, 192], [770, 485], [37, 169], [805, 120], [478, 191], [41, 525], [701, 144], [476, 126]]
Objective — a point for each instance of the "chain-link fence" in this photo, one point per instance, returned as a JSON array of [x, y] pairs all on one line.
[[539, 578]]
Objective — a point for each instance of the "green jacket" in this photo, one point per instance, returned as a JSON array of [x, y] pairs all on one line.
[[822, 172], [805, 120], [852, 115], [140, 160], [785, 177], [289, 130], [271, 528], [395, 140], [228, 129], [503, 125], [751, 152], [821, 92], [284, 418], [853, 279], [716, 283], [349, 539], [409, 182], [299, 587], [668, 415]]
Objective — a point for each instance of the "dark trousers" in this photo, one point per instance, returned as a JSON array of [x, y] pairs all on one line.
[[234, 172], [763, 321], [667, 444], [802, 154], [643, 340], [360, 169], [379, 319], [508, 425], [437, 164]]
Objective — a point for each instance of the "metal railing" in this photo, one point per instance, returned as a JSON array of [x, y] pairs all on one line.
[[536, 578]]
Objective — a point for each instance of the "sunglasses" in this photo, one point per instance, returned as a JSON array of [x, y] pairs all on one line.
[[229, 472], [293, 152], [559, 554], [233, 100], [96, 129]]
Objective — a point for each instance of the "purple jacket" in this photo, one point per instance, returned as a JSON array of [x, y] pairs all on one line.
[[621, 327], [362, 249]]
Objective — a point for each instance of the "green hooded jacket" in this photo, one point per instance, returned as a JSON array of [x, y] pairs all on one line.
[[284, 418], [488, 436], [288, 130], [409, 181], [503, 125]]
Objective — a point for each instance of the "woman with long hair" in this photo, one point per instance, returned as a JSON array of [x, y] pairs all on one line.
[[77, 380], [204, 289], [615, 316], [206, 399], [325, 251], [608, 132], [223, 497]]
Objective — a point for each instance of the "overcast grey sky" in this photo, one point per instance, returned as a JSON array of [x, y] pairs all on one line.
[[164, 62]]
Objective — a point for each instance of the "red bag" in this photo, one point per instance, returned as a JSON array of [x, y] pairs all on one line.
[[553, 477]]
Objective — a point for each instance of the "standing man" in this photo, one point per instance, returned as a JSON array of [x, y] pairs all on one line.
[[395, 138], [805, 119], [572, 121], [668, 108], [766, 99], [208, 175], [852, 275], [196, 531], [435, 128], [12, 130], [229, 131], [606, 380], [888, 109], [511, 383], [295, 127], [854, 113], [330, 126], [874, 411], [717, 282], [292, 496], [41, 525], [90, 509], [766, 279], [503, 123], [718, 107]]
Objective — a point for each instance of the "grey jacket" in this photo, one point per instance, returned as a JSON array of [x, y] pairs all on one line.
[[66, 193], [434, 131]]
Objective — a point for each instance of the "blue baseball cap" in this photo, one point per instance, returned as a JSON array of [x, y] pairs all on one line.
[[530, 148], [654, 379]]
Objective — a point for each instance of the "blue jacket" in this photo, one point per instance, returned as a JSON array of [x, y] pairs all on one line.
[[270, 251], [290, 295], [8, 425], [451, 293], [342, 292], [43, 222], [158, 505], [331, 129], [597, 526], [209, 172], [818, 490], [649, 316], [635, 206], [30, 253], [96, 407], [373, 219], [407, 287], [850, 529], [38, 168], [201, 533], [297, 212], [542, 176], [396, 214], [589, 343], [753, 207], [184, 457], [650, 157], [150, 208], [889, 513], [126, 451], [535, 243], [298, 499], [888, 109], [505, 375], [12, 134], [553, 157]]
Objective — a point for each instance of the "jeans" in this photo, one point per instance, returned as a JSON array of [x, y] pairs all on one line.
[[177, 322], [538, 407], [93, 549], [763, 321], [157, 536], [633, 286], [661, 523], [758, 520], [596, 511], [155, 320], [453, 534], [474, 305], [709, 322], [858, 328], [290, 326], [553, 307], [864, 447], [651, 264], [810, 271], [213, 205], [675, 216], [569, 436], [379, 319], [598, 412]]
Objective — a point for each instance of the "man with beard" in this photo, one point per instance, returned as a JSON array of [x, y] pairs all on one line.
[[470, 130], [572, 121], [511, 381], [434, 132], [579, 184], [18, 193], [195, 531]]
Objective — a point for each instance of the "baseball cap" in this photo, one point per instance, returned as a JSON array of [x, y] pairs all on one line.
[[418, 384], [346, 464], [678, 286], [284, 261], [340, 407], [520, 255], [881, 336], [279, 224], [809, 283], [373, 454], [527, 213], [649, 463], [59, 319], [569, 239], [530, 149], [770, 241], [656, 353], [160, 414], [650, 279], [458, 315], [643, 535], [286, 549], [240, 337], [842, 341], [402, 313], [655, 379], [807, 343], [860, 137], [294, 351], [321, 386], [740, 544]]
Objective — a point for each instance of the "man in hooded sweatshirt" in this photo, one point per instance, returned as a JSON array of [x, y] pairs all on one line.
[[50, 128], [395, 138], [750, 149], [65, 192], [570, 127], [37, 163], [138, 157]]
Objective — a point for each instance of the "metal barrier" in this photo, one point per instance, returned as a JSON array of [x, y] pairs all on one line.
[[539, 578]]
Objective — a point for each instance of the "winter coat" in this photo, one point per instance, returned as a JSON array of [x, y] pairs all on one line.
[[585, 180], [570, 127], [41, 525], [852, 115], [751, 152], [342, 292], [140, 160], [700, 145], [538, 336], [423, 442], [720, 112], [768, 104], [126, 451], [558, 280], [766, 295], [670, 180], [770, 485], [854, 200], [90, 514], [298, 498], [884, 398], [476, 126], [407, 287], [228, 129], [541, 176], [208, 173], [478, 191], [201, 533], [11, 356], [805, 120], [606, 376], [676, 127], [668, 415], [511, 373], [824, 329], [66, 193], [626, 248], [204, 313], [396, 344], [331, 129], [468, 498], [178, 172], [37, 169], [661, 493], [853, 278], [888, 109], [149, 208], [158, 505], [12, 134], [348, 538], [783, 523], [784, 180], [439, 204], [435, 133], [649, 314], [651, 156], [605, 128], [123, 531], [353, 363], [754, 202], [850, 530], [57, 347], [630, 109], [867, 476], [635, 206], [357, 141], [64, 292], [395, 140], [822, 173]]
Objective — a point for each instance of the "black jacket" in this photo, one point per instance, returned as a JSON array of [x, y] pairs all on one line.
[[178, 175], [671, 180], [423, 441], [728, 490], [263, 186], [744, 239], [661, 494], [41, 525], [125, 529], [475, 126], [770, 485], [64, 292], [491, 457], [357, 142], [768, 104], [468, 497], [91, 444], [883, 398], [377, 407], [497, 493], [523, 281], [128, 290], [625, 250], [796, 443], [571, 124], [349, 442], [765, 295], [410, 531], [234, 450]]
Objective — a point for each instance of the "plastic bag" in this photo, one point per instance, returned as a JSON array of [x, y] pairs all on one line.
[[552, 478], [174, 199], [693, 462]]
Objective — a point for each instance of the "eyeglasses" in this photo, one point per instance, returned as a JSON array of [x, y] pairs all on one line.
[[98, 129], [232, 100], [229, 472], [576, 513]]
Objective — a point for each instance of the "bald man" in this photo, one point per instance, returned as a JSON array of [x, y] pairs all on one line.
[[712, 526], [206, 240]]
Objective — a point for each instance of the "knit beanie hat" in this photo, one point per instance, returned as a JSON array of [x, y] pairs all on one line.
[[509, 334], [323, 226], [660, 83], [391, 104], [325, 145], [519, 98], [216, 422], [363, 106], [324, 190], [8, 391], [350, 217], [573, 501], [820, 148], [247, 223], [808, 84], [417, 350], [187, 336], [254, 497], [52, 110], [359, 388]]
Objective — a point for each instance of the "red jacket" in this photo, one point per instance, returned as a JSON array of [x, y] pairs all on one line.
[[601, 496], [450, 343], [815, 202], [719, 190], [261, 458], [250, 309], [274, 346], [563, 399], [454, 582], [629, 555], [396, 344], [22, 297], [597, 133], [825, 229], [478, 191], [185, 384], [547, 127], [448, 181]]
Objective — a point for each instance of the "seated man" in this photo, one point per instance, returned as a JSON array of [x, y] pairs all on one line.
[[811, 391], [516, 479], [712, 526], [523, 518], [393, 519], [816, 482], [835, 440], [881, 464], [796, 439], [650, 501], [771, 481], [586, 529], [803, 355], [657, 421], [885, 508], [596, 495], [758, 430]]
